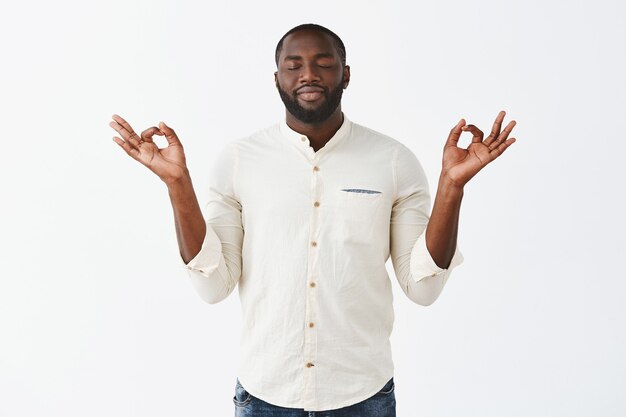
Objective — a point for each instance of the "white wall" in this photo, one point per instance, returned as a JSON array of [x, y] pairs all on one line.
[[98, 318]]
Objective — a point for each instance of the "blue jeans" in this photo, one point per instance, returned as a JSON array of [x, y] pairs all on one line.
[[381, 404]]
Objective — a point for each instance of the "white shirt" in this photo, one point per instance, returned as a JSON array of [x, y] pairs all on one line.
[[306, 235]]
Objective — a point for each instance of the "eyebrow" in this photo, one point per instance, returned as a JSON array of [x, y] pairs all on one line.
[[298, 57]]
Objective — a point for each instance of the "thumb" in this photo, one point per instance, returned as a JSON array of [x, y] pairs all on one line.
[[170, 135], [455, 134]]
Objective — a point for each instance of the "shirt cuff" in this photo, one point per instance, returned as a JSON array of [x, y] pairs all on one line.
[[208, 259], [422, 263]]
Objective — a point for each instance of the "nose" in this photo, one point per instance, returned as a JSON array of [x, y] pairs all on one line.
[[309, 74]]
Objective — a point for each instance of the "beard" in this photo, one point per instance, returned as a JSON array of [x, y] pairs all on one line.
[[332, 99]]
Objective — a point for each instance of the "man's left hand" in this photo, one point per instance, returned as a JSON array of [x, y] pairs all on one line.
[[460, 165]]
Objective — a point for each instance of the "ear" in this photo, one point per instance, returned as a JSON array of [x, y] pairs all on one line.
[[346, 76], [276, 78]]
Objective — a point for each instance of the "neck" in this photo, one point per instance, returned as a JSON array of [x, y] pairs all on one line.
[[318, 133]]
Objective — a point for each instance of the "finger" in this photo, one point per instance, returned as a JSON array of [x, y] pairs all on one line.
[[495, 129], [501, 148], [503, 135], [476, 132], [147, 134], [131, 139], [170, 135], [122, 122], [128, 130], [134, 153], [455, 134]]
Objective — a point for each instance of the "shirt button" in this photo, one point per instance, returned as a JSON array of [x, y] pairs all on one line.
[[309, 364], [312, 284], [314, 243], [316, 204], [311, 324], [303, 138], [316, 168]]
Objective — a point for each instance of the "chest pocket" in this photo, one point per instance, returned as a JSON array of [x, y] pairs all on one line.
[[360, 214]]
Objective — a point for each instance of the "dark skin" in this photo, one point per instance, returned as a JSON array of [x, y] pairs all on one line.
[[458, 167], [310, 59]]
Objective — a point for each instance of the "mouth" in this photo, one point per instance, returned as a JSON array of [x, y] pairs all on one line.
[[308, 93]]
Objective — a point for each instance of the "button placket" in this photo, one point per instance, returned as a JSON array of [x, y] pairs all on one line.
[[310, 327]]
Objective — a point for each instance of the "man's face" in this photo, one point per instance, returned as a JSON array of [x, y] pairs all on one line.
[[310, 77]]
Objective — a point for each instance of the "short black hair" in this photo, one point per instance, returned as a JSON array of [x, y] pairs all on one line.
[[341, 49]]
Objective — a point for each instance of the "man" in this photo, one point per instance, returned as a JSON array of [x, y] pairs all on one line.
[[323, 202]]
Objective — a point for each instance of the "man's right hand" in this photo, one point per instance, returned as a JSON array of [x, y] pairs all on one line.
[[168, 163]]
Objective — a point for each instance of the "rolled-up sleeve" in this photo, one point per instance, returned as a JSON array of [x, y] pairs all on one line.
[[216, 269], [417, 273]]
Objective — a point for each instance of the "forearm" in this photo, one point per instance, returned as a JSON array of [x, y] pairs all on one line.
[[441, 232], [189, 222]]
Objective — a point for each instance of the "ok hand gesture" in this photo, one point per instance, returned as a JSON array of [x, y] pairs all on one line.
[[460, 165], [168, 163]]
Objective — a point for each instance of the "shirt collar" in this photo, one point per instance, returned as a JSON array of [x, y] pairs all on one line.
[[302, 142]]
